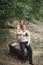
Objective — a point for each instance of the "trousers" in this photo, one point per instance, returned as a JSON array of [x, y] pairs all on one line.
[[23, 45]]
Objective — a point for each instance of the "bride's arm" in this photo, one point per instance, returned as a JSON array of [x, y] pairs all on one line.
[[18, 30]]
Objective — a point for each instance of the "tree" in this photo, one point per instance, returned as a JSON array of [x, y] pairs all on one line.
[[19, 8], [36, 4]]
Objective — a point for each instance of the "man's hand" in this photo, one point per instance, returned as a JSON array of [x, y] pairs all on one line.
[[23, 34], [28, 44]]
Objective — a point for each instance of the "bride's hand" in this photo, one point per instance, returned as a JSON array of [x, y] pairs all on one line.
[[23, 34]]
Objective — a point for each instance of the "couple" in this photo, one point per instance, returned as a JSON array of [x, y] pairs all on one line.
[[23, 36]]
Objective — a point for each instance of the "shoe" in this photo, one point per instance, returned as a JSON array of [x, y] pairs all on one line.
[[31, 63], [23, 61]]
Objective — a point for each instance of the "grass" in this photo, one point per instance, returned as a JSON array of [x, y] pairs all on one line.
[[36, 22]]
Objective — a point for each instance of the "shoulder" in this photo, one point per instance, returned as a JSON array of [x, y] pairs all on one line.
[[28, 31], [18, 25]]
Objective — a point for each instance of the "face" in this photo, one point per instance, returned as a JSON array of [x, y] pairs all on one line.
[[23, 27]]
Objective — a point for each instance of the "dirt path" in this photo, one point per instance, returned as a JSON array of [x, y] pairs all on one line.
[[37, 46]]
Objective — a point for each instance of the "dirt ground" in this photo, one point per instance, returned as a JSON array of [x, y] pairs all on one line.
[[37, 47]]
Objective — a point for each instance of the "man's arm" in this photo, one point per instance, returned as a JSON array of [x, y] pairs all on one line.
[[28, 39]]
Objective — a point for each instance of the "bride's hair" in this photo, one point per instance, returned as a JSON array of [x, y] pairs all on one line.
[[23, 23]]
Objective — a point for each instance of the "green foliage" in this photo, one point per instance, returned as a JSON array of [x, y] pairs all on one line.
[[14, 8], [7, 8], [20, 8], [36, 22], [41, 11]]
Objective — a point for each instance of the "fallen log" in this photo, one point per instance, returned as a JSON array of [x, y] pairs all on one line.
[[15, 49]]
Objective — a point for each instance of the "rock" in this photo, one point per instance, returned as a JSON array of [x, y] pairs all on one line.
[[14, 48]]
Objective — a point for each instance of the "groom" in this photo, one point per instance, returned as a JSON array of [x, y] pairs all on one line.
[[25, 43]]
